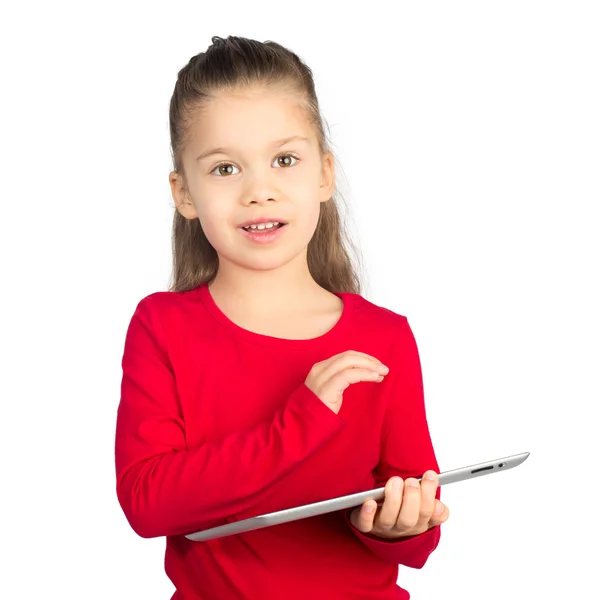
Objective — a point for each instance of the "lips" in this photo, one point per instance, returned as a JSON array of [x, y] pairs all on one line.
[[263, 236], [260, 220], [263, 229]]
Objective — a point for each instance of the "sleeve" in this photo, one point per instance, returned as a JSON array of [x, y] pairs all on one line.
[[165, 488], [406, 450]]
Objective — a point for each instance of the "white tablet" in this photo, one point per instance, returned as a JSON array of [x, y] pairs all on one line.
[[352, 500]]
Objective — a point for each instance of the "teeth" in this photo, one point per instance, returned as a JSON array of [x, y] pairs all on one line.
[[262, 226]]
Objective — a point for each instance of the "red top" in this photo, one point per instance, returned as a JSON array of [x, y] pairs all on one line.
[[215, 424]]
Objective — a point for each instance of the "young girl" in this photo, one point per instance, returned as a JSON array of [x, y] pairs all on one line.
[[262, 379]]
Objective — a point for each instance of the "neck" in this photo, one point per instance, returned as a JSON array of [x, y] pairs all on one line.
[[285, 289]]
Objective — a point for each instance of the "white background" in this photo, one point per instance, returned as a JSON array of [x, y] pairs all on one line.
[[467, 138]]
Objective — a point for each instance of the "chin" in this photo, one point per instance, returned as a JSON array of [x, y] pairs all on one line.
[[268, 261], [266, 264], [262, 259]]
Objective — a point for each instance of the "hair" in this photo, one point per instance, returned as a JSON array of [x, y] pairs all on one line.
[[232, 64]]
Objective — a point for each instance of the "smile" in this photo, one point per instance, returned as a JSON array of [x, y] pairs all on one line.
[[263, 233]]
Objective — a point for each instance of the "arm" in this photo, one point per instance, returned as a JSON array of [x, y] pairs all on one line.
[[406, 450], [165, 488]]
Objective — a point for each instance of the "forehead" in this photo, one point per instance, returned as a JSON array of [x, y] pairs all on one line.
[[252, 118]]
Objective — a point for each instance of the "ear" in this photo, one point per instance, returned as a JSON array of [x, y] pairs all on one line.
[[183, 202], [327, 177]]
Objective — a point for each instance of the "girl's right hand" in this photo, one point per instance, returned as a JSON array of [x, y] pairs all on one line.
[[329, 378]]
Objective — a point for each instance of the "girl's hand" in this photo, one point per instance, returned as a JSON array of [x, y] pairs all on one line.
[[410, 509], [329, 378]]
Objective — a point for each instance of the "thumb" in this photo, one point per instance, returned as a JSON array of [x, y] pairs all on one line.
[[440, 514]]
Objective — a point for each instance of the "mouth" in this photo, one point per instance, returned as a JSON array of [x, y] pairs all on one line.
[[263, 233], [265, 227]]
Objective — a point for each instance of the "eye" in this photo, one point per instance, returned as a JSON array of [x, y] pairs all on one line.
[[226, 164], [289, 156]]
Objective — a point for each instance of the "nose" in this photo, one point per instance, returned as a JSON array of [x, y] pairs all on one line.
[[261, 195], [261, 189]]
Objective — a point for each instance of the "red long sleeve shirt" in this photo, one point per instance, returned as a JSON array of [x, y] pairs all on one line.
[[215, 424]]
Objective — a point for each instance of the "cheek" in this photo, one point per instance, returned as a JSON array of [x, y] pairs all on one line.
[[311, 211], [214, 223]]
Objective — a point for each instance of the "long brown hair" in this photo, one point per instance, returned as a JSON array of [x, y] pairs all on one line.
[[234, 63]]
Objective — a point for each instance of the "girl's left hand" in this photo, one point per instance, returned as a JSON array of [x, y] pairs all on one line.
[[409, 509]]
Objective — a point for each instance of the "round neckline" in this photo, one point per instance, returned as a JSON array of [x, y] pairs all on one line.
[[335, 332]]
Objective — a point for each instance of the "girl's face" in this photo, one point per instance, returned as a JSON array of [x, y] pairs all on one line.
[[250, 176]]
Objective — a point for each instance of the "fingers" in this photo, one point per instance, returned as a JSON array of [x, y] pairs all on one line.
[[344, 378], [428, 486], [352, 360], [418, 502], [439, 517], [393, 500], [433, 511], [350, 367], [354, 353], [408, 517], [363, 517], [329, 378], [353, 368], [409, 508]]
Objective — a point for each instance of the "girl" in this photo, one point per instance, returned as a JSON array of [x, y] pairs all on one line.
[[263, 379]]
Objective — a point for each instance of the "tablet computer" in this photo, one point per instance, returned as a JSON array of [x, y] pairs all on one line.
[[349, 501]]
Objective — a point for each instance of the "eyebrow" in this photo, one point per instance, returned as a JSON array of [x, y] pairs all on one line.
[[278, 143]]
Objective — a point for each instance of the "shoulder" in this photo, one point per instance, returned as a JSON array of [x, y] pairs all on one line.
[[169, 321], [386, 334], [368, 312], [165, 301], [378, 325], [165, 308]]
